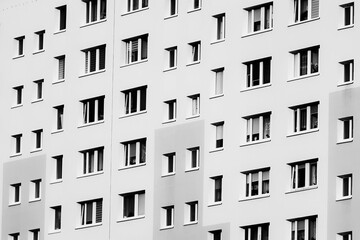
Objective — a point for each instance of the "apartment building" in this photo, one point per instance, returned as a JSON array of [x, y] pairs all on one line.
[[169, 119]]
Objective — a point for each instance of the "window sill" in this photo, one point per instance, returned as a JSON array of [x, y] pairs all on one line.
[[167, 227], [56, 181], [305, 76], [134, 63], [17, 106], [171, 16], [37, 100], [302, 189], [19, 56], [16, 155], [36, 150], [93, 23], [58, 81], [170, 69], [194, 116], [256, 87], [168, 174], [130, 218], [216, 150], [218, 41], [213, 204], [193, 63], [90, 174], [303, 132], [169, 121], [192, 169], [91, 124], [60, 31], [54, 231], [132, 166], [88, 226], [343, 198], [257, 32], [135, 11], [346, 27], [345, 83], [92, 73], [133, 114], [344, 141], [302, 22], [14, 204], [191, 223], [38, 51], [35, 200], [216, 96], [57, 131], [255, 142], [194, 10], [254, 197]]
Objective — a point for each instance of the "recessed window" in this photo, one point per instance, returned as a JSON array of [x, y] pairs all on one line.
[[305, 117], [348, 14], [194, 105], [195, 50], [216, 196], [60, 74], [133, 204], [15, 193], [257, 182], [305, 10], [92, 160], [257, 232], [95, 10], [191, 212], [34, 234], [94, 59], [40, 40], [344, 236], [134, 100], [170, 110], [134, 152], [18, 100], [93, 110], [195, 4], [215, 235], [19, 46], [345, 129], [258, 72], [344, 186], [16, 143], [91, 212], [59, 117], [306, 61], [58, 167], [303, 174], [37, 136], [303, 228], [348, 71], [260, 17], [133, 5], [192, 158], [35, 190], [218, 135], [258, 127], [14, 236], [136, 49], [171, 58], [61, 17], [167, 217], [168, 164], [220, 26], [38, 89], [217, 88], [172, 7], [55, 223]]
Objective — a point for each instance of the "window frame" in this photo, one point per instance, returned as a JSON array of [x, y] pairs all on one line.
[[14, 236], [344, 186], [59, 118], [38, 139], [40, 36], [310, 15], [92, 161], [294, 223], [348, 70], [307, 60], [140, 145], [191, 212], [56, 215], [167, 168], [217, 136], [260, 183], [35, 190], [58, 168], [141, 5], [18, 98], [195, 50], [216, 195], [192, 159], [136, 53], [167, 217], [171, 58], [170, 111], [62, 13], [265, 24], [61, 69], [91, 213], [39, 85], [137, 211], [345, 129], [217, 89], [20, 46], [263, 123], [305, 119], [194, 106], [137, 95], [98, 15], [34, 234], [258, 230], [347, 13], [305, 178], [172, 8], [17, 144], [260, 68], [220, 30], [15, 194], [93, 110], [344, 236], [95, 59]]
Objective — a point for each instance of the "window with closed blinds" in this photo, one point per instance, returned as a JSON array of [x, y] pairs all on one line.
[[91, 212], [61, 67]]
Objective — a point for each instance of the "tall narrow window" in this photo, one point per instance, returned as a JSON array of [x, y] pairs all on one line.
[[348, 14], [191, 212], [196, 4], [95, 10], [195, 48], [18, 95], [20, 46], [168, 164], [258, 72], [136, 49], [34, 234], [91, 212], [217, 189], [194, 105], [171, 57], [193, 158], [59, 121], [133, 5], [16, 143], [218, 132], [167, 217], [92, 160], [134, 152], [303, 228], [37, 139], [61, 68], [93, 110], [62, 17], [58, 167], [345, 129], [133, 204], [305, 10], [39, 89], [305, 117], [348, 71], [94, 59], [345, 236], [220, 26], [40, 40], [257, 182], [35, 190], [15, 193], [170, 110], [260, 18], [257, 232], [14, 236], [306, 61], [215, 235], [56, 214], [303, 174], [258, 127], [173, 7], [344, 186], [218, 84], [134, 100]]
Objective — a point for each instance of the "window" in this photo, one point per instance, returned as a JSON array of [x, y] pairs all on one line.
[[95, 10], [220, 26], [257, 182], [136, 49], [37, 139], [35, 190], [305, 117], [134, 5], [18, 95], [34, 234], [260, 17], [168, 164], [195, 52], [92, 160], [167, 217], [191, 212], [62, 17], [135, 100], [257, 232], [94, 59], [344, 236], [20, 46], [344, 186], [15, 193], [348, 14], [303, 174], [170, 110], [59, 123], [218, 135], [56, 215], [171, 57], [134, 152], [39, 89], [91, 212], [348, 71], [58, 167], [196, 4], [218, 85], [61, 68], [216, 196], [215, 235], [40, 40], [306, 61], [133, 204], [93, 110], [258, 127], [17, 143], [305, 10], [173, 7], [345, 129], [303, 228], [193, 158], [14, 236], [258, 72], [194, 105]]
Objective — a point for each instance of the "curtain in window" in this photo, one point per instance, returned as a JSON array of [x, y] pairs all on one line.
[[57, 218], [141, 202], [303, 118], [132, 157], [265, 232], [219, 135], [254, 184], [255, 128], [218, 182], [266, 126], [103, 9], [144, 47], [314, 60], [303, 63], [219, 82], [134, 50], [300, 229], [304, 5], [100, 153], [257, 19], [313, 174]]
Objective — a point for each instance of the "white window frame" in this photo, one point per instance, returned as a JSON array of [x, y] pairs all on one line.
[[98, 104], [34, 234], [59, 118], [90, 212], [138, 45], [55, 224], [18, 96], [171, 58], [38, 139], [92, 161], [260, 178], [312, 10], [217, 88], [345, 129], [16, 144], [195, 52], [95, 59], [311, 122], [264, 73], [310, 175], [38, 89], [265, 12], [215, 234], [344, 8], [58, 162], [35, 190], [263, 125], [15, 194], [259, 228], [166, 166], [220, 27], [20, 46], [40, 37], [296, 223], [136, 147], [167, 215], [142, 4], [343, 181], [344, 236], [217, 136], [191, 209], [194, 105], [172, 8], [99, 14], [62, 12], [170, 110], [192, 159], [14, 236], [137, 95], [312, 57], [348, 72], [61, 68], [138, 211], [216, 195], [195, 5]]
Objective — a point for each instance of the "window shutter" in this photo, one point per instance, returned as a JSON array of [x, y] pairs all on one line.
[[87, 61], [99, 204], [314, 8], [61, 68]]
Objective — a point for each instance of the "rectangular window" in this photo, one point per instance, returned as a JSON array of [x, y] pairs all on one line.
[[134, 100], [58, 167], [136, 49], [191, 212], [193, 158], [167, 217], [93, 110], [95, 10], [305, 117], [37, 139], [344, 236], [56, 214], [168, 164], [17, 143], [260, 17], [196, 4], [18, 95], [258, 127], [92, 160], [94, 59], [34, 234], [348, 71], [134, 152], [134, 5], [39, 89], [257, 232], [218, 85], [195, 48], [258, 72], [20, 46], [348, 14], [218, 135], [170, 110], [14, 236], [257, 182], [306, 61], [61, 68], [40, 40], [345, 129], [215, 235], [217, 189], [171, 57], [344, 186], [303, 228], [220, 26], [15, 193], [303, 174], [62, 17], [133, 204], [305, 10], [35, 190], [194, 105], [59, 123], [173, 7], [91, 212]]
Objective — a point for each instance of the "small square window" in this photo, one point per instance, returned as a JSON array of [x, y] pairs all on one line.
[[34, 234], [195, 50], [305, 117], [215, 235], [260, 17], [136, 49], [218, 135], [257, 231], [167, 217], [305, 10], [220, 26], [91, 212], [38, 134], [40, 40], [134, 152], [93, 110], [345, 129], [61, 17], [60, 74], [258, 127], [92, 161], [35, 190], [218, 84], [306, 61], [344, 186], [303, 174], [258, 72], [133, 5], [216, 195], [94, 59], [19, 46], [95, 10], [14, 236], [134, 100], [15, 193], [133, 204], [170, 110], [344, 236], [16, 143], [18, 100], [191, 212], [348, 72], [59, 117], [55, 224], [192, 158], [58, 167], [348, 14], [194, 105], [168, 164], [171, 58], [39, 89]]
